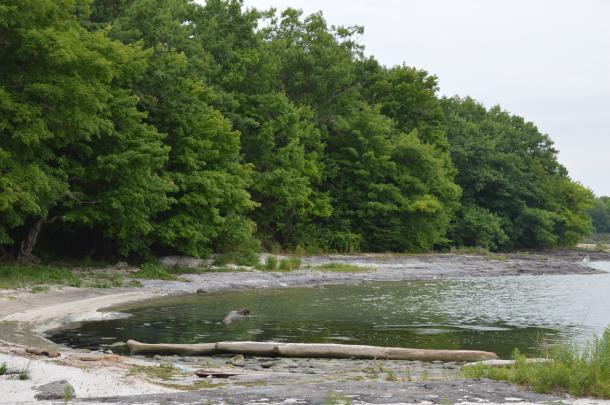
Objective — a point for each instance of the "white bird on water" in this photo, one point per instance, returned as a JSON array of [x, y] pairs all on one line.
[[586, 259]]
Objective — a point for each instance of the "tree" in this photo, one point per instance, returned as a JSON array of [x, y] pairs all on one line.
[[210, 200], [515, 193], [74, 148], [600, 215]]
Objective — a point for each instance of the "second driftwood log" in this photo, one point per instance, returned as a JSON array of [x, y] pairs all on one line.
[[311, 350]]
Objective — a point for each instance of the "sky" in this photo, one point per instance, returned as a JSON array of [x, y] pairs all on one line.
[[545, 60]]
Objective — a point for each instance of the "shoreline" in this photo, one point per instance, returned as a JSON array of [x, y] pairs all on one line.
[[25, 317]]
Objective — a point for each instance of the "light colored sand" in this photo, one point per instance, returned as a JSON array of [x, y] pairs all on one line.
[[96, 379], [48, 316]]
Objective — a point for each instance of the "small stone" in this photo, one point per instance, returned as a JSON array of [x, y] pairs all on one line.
[[202, 291], [237, 361], [268, 364], [157, 357], [55, 390], [108, 352]]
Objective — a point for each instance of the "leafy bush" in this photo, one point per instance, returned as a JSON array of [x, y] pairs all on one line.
[[295, 263], [285, 265], [271, 263]]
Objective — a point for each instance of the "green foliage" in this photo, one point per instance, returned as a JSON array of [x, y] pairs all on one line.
[[271, 263], [600, 215], [153, 271], [335, 398], [342, 268], [74, 147], [3, 368], [295, 263], [285, 265], [139, 127], [24, 275], [580, 371], [515, 193]]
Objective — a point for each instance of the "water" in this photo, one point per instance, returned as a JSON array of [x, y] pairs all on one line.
[[496, 314]]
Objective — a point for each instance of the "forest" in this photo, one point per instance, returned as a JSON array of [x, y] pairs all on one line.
[[131, 128]]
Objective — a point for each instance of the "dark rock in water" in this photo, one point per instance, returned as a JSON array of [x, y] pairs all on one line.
[[268, 364], [202, 291], [56, 390], [236, 314]]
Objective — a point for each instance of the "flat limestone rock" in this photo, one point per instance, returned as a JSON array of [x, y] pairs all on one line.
[[61, 389]]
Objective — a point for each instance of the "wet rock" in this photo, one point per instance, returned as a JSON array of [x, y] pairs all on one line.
[[157, 357], [202, 291], [268, 364], [56, 390], [237, 361], [108, 352], [236, 314]]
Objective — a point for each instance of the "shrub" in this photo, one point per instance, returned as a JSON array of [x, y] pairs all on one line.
[[271, 263], [580, 371], [295, 263]]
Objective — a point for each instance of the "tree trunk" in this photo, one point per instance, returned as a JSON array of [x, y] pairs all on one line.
[[311, 350], [27, 245]]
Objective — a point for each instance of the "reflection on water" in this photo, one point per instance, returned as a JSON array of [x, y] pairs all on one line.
[[496, 314]]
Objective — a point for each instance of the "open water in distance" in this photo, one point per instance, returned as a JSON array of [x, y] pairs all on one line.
[[496, 314]]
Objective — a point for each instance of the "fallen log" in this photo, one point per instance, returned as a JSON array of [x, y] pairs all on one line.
[[199, 349], [506, 363], [312, 350]]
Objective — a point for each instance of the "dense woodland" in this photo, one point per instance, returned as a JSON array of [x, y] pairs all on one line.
[[600, 214], [137, 127]]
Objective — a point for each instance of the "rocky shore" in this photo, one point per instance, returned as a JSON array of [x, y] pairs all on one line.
[[24, 317]]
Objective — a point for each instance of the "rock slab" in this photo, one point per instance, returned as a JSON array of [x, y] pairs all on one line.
[[61, 389]]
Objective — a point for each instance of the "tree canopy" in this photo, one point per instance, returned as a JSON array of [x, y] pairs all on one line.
[[131, 127]]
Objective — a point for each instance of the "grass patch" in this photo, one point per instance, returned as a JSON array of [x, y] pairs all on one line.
[[335, 398], [40, 288], [100, 279], [17, 275], [161, 372], [579, 371], [271, 263], [3, 368], [343, 268], [135, 283], [153, 271]]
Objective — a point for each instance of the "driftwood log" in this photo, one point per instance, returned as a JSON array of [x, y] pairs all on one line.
[[311, 350], [506, 363]]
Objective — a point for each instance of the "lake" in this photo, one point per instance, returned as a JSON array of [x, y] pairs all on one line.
[[496, 314]]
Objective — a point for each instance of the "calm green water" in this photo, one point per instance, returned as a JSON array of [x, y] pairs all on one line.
[[496, 314]]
